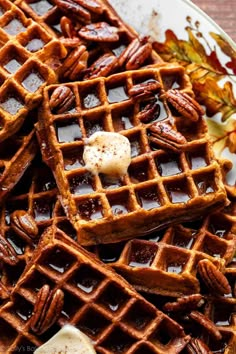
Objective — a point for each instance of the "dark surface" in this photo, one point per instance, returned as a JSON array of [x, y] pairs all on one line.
[[222, 12]]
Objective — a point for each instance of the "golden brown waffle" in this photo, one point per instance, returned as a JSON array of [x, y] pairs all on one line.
[[34, 197], [166, 262], [96, 300], [16, 154], [168, 180], [29, 56], [91, 58], [217, 330]]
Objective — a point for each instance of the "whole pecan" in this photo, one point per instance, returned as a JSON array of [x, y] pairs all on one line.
[[24, 225], [61, 99], [47, 309], [206, 323], [187, 106], [196, 346], [80, 9], [103, 66], [99, 32], [213, 278], [7, 252], [134, 56], [145, 89], [75, 63], [185, 303]]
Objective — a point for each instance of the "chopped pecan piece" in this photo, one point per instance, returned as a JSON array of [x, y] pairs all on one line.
[[24, 225], [101, 67], [150, 112], [206, 323], [213, 278], [99, 32], [7, 252], [67, 27], [196, 346], [187, 106], [185, 303], [136, 53], [61, 100], [145, 89], [75, 63], [79, 9], [47, 309]]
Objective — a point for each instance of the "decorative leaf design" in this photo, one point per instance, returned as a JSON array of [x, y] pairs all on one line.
[[223, 135], [216, 98], [204, 67], [227, 50]]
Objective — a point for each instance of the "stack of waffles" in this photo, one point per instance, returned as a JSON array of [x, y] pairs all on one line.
[[141, 262]]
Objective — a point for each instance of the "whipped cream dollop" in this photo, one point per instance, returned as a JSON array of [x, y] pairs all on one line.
[[108, 153], [69, 340]]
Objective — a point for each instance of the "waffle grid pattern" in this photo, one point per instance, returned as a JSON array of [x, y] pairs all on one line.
[[151, 194], [166, 262], [36, 194], [102, 305], [48, 14], [26, 52]]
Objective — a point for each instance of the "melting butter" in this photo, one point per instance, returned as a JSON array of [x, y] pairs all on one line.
[[108, 153], [69, 340]]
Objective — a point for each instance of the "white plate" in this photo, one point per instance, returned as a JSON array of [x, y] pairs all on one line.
[[184, 33]]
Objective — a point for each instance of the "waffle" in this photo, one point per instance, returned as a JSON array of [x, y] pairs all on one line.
[[16, 154], [29, 56], [220, 335], [153, 194], [96, 300], [36, 195], [165, 262], [88, 58]]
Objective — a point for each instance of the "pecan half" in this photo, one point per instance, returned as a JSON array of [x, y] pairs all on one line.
[[103, 66], [61, 99], [187, 106], [24, 225], [75, 63], [7, 252], [150, 112], [196, 346], [213, 278], [99, 32], [206, 323], [79, 9], [145, 89], [47, 309], [136, 53], [164, 134], [185, 303]]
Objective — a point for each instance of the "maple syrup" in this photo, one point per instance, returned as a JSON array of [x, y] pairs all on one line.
[[148, 198], [117, 94], [142, 255], [82, 184], [14, 27], [90, 209], [41, 7], [12, 104]]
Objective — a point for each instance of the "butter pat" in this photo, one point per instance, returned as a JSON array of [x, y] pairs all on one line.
[[108, 153], [69, 340]]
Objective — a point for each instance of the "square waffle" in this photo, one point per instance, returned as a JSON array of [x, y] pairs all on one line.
[[166, 262], [208, 317], [172, 177], [31, 207], [89, 58], [96, 300], [27, 54]]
